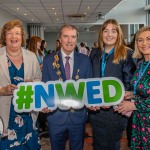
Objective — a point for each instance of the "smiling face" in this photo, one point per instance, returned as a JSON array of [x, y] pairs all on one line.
[[143, 43], [68, 40], [14, 39], [109, 35]]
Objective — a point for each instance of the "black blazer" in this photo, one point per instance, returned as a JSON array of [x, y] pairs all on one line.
[[123, 71]]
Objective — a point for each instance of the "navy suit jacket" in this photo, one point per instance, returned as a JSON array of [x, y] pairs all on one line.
[[81, 63]]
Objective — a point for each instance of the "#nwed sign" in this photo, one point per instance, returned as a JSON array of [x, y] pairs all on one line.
[[107, 91]]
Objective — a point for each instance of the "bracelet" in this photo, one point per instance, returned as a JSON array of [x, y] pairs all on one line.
[[132, 100]]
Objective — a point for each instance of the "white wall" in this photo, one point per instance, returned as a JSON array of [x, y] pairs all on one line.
[[5, 17], [50, 38], [88, 37], [129, 12]]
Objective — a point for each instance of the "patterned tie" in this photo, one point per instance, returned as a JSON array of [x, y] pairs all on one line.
[[67, 68]]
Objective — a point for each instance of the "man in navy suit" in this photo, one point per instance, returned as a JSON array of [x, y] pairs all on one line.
[[66, 123]]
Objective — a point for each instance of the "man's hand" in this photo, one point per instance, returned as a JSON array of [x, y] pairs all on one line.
[[46, 110]]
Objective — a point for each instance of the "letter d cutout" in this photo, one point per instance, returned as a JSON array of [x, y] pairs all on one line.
[[113, 91]]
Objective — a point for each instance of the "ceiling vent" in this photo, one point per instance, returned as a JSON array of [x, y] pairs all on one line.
[[76, 15]]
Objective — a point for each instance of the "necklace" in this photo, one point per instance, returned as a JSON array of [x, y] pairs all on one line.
[[56, 65], [14, 55], [141, 73], [104, 60]]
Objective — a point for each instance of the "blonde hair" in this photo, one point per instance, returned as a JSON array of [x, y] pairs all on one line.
[[137, 53], [9, 26], [33, 45], [120, 52]]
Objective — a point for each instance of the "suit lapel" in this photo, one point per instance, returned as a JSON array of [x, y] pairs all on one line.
[[75, 66], [97, 64], [3, 62], [62, 69]]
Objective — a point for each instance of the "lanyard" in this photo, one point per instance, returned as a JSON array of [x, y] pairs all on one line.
[[104, 61], [141, 73]]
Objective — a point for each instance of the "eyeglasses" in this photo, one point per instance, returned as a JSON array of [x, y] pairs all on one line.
[[10, 34], [141, 40]]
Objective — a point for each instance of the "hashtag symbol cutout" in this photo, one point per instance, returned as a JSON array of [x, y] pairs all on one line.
[[24, 97]]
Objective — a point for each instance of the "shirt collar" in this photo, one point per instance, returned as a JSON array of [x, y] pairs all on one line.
[[64, 55]]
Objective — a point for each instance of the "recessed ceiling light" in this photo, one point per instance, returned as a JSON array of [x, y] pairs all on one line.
[[55, 13], [32, 19], [88, 7], [17, 8], [57, 19], [85, 13], [25, 14], [53, 8]]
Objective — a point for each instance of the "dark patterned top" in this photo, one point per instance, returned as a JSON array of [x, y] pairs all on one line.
[[141, 117]]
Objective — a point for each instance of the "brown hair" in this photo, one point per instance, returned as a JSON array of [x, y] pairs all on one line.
[[9, 26], [72, 27], [137, 53], [33, 44], [120, 52]]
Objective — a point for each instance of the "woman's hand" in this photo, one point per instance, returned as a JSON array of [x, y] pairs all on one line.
[[128, 95], [105, 107], [94, 108], [125, 107], [28, 80], [8, 90]]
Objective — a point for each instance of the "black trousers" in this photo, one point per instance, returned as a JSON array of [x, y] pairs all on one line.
[[108, 127]]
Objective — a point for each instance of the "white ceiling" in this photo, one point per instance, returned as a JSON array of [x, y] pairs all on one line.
[[42, 12]]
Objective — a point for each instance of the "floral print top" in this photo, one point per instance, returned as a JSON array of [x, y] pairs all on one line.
[[141, 117], [20, 132]]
